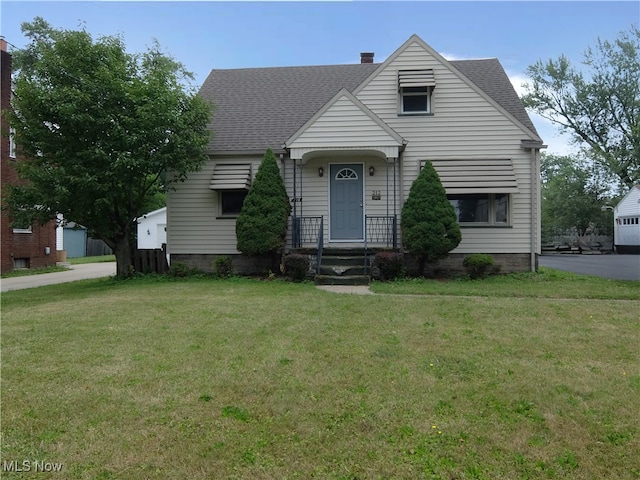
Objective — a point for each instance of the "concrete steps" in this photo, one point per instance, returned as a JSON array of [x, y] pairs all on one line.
[[343, 267]]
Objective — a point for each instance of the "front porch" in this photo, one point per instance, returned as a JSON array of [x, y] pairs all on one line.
[[344, 263]]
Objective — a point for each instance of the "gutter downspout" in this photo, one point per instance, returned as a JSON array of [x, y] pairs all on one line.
[[535, 189], [400, 195]]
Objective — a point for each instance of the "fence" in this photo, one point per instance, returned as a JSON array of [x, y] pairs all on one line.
[[150, 260]]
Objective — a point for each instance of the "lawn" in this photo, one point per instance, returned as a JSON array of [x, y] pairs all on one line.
[[239, 378]]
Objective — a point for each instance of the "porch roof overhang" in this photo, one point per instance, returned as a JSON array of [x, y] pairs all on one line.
[[344, 125], [230, 176], [477, 175]]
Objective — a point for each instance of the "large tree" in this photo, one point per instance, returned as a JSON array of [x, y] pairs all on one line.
[[573, 192], [103, 131], [429, 223], [601, 110]]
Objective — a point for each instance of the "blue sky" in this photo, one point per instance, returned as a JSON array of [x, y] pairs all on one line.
[[205, 35]]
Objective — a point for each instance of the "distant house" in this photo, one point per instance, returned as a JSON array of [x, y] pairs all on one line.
[[23, 246], [626, 217], [351, 139], [152, 229]]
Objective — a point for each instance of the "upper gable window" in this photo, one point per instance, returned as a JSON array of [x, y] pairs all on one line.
[[415, 89]]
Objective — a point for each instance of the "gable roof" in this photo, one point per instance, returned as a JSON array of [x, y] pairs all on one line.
[[385, 135], [258, 108]]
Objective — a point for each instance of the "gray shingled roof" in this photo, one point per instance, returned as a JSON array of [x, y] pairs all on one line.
[[258, 108]]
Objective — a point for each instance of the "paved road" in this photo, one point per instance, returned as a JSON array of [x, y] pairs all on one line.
[[75, 272], [616, 267]]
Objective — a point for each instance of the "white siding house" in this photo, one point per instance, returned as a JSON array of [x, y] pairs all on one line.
[[626, 217], [351, 139]]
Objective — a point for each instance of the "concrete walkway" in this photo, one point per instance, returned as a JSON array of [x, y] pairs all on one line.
[[75, 272], [353, 289]]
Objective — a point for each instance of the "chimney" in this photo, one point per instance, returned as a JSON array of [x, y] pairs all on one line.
[[366, 57], [3, 45]]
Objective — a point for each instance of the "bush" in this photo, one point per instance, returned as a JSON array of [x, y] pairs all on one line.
[[261, 227], [223, 266], [180, 270], [429, 222], [296, 266], [390, 264], [479, 265]]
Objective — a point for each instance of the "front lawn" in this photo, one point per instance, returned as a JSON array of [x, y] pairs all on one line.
[[240, 378]]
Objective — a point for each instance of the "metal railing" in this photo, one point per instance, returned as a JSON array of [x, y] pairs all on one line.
[[320, 245], [381, 230], [308, 231], [305, 231]]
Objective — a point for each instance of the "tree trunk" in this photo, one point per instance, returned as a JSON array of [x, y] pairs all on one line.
[[124, 256]]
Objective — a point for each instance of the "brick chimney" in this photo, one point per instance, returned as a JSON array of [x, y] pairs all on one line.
[[3, 45], [366, 57]]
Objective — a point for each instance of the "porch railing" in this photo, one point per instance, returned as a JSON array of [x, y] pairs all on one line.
[[305, 231], [320, 245], [381, 230]]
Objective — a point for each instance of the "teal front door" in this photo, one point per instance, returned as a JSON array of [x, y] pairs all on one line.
[[346, 214]]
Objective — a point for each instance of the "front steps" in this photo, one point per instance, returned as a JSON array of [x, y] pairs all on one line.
[[343, 267]]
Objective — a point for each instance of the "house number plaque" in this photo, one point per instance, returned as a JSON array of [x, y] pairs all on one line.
[[375, 195]]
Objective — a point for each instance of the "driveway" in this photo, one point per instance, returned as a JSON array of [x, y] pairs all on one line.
[[613, 266], [75, 272]]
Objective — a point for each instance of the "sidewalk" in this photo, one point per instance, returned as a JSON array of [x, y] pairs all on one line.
[[75, 272]]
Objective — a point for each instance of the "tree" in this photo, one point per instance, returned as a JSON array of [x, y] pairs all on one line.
[[601, 112], [572, 196], [429, 223], [261, 227], [103, 131]]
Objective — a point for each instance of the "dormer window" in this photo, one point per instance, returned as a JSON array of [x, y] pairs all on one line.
[[415, 88]]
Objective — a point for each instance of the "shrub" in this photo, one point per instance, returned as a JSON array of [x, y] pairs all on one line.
[[180, 270], [390, 264], [223, 266], [479, 265], [296, 266], [261, 227], [429, 222]]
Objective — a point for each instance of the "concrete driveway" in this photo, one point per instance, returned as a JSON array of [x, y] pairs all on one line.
[[613, 266], [75, 272]]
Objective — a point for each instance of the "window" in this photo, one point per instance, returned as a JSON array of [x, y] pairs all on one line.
[[21, 223], [416, 88], [481, 208], [12, 143], [415, 100], [231, 202]]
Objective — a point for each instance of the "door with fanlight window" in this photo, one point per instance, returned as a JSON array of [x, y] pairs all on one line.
[[346, 214]]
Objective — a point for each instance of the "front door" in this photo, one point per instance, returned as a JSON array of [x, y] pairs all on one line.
[[346, 200]]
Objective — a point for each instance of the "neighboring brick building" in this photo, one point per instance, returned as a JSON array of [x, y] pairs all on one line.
[[30, 246]]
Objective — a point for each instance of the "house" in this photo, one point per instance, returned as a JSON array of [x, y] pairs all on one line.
[[23, 246], [626, 218], [350, 140], [152, 229]]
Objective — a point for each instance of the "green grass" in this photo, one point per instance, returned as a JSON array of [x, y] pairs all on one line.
[[201, 378], [96, 259], [547, 283]]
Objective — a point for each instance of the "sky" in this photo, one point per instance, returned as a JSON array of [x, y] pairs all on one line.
[[204, 35]]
